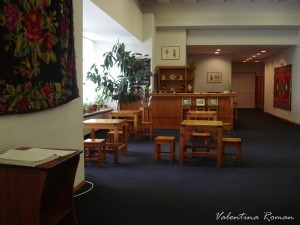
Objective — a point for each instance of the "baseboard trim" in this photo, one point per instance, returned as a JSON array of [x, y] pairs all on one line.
[[78, 186]]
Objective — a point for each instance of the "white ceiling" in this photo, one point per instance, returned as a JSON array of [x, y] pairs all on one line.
[[95, 21]]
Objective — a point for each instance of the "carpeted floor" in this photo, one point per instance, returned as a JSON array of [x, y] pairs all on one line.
[[138, 191]]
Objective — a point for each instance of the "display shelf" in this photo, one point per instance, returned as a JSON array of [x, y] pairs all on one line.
[[174, 79]]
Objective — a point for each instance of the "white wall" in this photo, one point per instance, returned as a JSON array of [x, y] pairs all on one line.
[[208, 63], [175, 37], [126, 13], [291, 56], [60, 127], [244, 86]]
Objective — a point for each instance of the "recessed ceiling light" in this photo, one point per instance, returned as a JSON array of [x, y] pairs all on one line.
[[254, 56], [258, 53], [217, 52], [263, 51]]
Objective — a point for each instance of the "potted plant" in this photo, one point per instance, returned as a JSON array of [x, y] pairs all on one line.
[[86, 107], [99, 100], [120, 87], [191, 76], [228, 88]]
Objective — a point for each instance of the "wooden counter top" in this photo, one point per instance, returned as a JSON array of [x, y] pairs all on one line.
[[190, 95]]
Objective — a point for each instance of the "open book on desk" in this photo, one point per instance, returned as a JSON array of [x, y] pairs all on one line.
[[31, 157]]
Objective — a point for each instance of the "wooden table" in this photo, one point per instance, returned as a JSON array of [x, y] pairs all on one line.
[[134, 114], [202, 115], [39, 195], [201, 125], [110, 124]]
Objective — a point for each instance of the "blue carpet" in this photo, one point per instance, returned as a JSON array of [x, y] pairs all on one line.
[[265, 189]]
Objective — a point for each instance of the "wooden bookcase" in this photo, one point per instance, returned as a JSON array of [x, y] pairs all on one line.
[[41, 195], [174, 79]]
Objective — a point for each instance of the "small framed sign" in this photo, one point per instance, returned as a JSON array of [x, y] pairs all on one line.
[[186, 102], [200, 102], [214, 77], [170, 52], [212, 101]]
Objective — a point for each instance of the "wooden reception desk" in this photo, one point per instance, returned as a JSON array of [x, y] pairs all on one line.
[[168, 112]]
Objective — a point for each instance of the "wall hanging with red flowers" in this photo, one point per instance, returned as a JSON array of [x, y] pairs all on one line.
[[37, 64]]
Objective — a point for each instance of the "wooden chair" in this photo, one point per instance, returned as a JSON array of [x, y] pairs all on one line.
[[200, 108], [160, 140], [226, 129], [110, 138], [95, 149], [146, 125], [232, 142], [204, 137], [215, 109]]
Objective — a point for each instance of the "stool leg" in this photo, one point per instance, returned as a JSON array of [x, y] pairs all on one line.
[[99, 156], [238, 159], [173, 151], [157, 151], [104, 153]]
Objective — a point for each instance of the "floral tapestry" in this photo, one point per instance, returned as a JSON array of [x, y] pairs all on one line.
[[282, 87], [37, 64]]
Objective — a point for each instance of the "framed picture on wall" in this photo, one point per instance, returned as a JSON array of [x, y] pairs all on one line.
[[200, 102], [170, 52], [214, 77], [186, 102], [212, 101]]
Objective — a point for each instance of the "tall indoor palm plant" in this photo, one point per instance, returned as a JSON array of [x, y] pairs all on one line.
[[122, 87]]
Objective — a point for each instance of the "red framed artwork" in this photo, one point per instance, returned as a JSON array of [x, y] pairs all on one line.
[[283, 87]]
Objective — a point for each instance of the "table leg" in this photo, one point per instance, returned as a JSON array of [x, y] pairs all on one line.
[[125, 138], [93, 134], [135, 126], [116, 144], [219, 148], [182, 145]]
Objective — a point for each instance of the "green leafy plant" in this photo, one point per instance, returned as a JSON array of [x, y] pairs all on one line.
[[228, 87], [192, 69], [120, 87]]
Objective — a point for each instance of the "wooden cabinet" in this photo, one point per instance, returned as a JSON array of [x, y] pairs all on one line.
[[41, 195], [174, 79]]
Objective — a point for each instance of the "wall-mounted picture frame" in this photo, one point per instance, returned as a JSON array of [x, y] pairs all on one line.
[[170, 52], [186, 102], [212, 101], [214, 77], [200, 102]]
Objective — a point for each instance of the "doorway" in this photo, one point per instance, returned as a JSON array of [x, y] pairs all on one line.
[[244, 86]]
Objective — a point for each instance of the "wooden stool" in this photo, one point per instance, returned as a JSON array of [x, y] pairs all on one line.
[[95, 145], [170, 140], [232, 142]]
